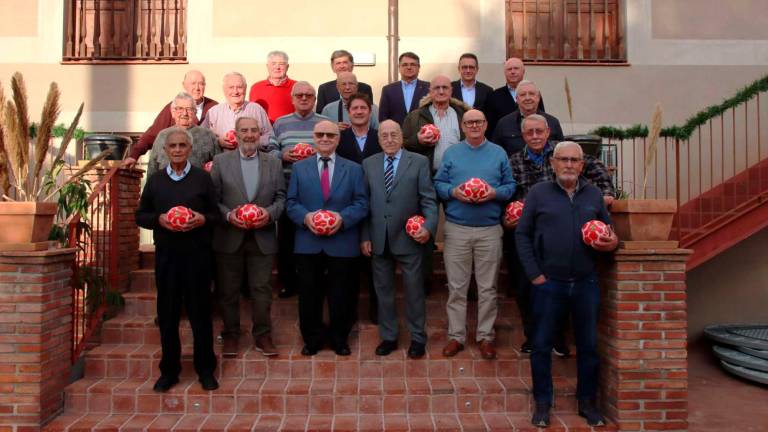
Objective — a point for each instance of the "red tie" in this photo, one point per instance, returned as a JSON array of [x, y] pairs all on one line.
[[325, 180]]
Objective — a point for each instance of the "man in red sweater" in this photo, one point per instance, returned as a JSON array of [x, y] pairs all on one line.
[[194, 84], [274, 93]]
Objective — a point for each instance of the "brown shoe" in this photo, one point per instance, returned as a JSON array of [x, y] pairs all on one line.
[[487, 350], [452, 348], [265, 346], [230, 347]]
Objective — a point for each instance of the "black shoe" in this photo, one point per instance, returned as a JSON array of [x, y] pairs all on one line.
[[589, 411], [286, 293], [386, 347], [308, 351], [526, 347], [541, 415], [208, 382], [164, 383], [561, 350], [416, 350], [343, 350]]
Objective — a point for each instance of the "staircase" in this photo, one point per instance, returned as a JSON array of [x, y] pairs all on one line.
[[321, 393]]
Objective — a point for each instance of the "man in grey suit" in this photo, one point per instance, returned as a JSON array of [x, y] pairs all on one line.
[[400, 186], [247, 176]]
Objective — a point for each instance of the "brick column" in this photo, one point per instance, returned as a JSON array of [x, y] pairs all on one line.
[[35, 335], [643, 340], [129, 190]]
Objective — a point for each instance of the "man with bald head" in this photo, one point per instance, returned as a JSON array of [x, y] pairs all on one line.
[[441, 110], [508, 133], [194, 85], [338, 111], [325, 260], [503, 100]]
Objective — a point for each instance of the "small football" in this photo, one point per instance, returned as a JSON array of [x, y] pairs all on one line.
[[593, 230], [323, 220], [302, 151], [513, 211], [475, 189], [208, 166], [431, 130], [414, 224], [178, 217], [249, 213], [231, 137]]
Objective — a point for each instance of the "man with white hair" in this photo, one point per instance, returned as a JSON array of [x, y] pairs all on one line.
[[562, 268], [338, 110], [274, 93], [508, 133]]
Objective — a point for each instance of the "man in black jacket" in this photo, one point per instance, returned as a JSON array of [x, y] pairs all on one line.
[[503, 100], [341, 61], [508, 133], [468, 89]]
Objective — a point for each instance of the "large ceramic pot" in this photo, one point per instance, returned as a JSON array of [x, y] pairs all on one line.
[[95, 144], [643, 220], [26, 222]]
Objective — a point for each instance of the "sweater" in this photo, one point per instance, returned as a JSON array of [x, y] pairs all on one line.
[[163, 120], [194, 191], [462, 162], [205, 145], [548, 234]]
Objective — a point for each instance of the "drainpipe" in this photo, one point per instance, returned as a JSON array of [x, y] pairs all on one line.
[[392, 38]]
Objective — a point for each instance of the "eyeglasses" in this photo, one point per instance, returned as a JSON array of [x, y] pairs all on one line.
[[573, 160], [182, 109], [304, 95], [324, 134], [473, 123], [536, 131]]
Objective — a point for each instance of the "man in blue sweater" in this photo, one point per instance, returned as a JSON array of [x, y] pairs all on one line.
[[562, 269], [472, 230]]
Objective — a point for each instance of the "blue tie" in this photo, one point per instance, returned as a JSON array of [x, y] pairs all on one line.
[[389, 174]]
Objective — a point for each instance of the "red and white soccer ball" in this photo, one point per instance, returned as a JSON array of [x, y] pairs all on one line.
[[178, 217], [475, 189], [231, 137], [431, 130], [593, 230], [324, 221], [414, 224], [302, 151], [513, 211], [249, 214], [208, 166]]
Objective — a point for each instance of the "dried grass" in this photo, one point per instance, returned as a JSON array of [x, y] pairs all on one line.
[[653, 141], [569, 101], [47, 120]]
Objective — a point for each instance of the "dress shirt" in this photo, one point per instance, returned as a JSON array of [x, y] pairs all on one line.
[[178, 177], [221, 119], [249, 165], [331, 164], [199, 111], [513, 93], [449, 132], [408, 90], [361, 141], [468, 93], [395, 162]]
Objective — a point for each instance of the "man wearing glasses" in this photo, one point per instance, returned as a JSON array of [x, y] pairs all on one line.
[[325, 260], [562, 269], [401, 97], [473, 231], [468, 89], [274, 93]]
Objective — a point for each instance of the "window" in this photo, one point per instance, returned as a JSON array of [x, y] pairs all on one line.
[[566, 31], [125, 31]]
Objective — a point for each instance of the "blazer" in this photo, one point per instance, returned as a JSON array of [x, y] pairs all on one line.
[[348, 197], [228, 182], [412, 194], [392, 102], [499, 104], [348, 148], [327, 93], [509, 136], [482, 91]]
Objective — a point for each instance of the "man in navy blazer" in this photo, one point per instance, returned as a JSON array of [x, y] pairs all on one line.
[[468, 89], [503, 100], [325, 263], [401, 97]]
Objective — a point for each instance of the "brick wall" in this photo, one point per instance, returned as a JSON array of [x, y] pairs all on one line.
[[129, 190], [35, 335], [643, 340]]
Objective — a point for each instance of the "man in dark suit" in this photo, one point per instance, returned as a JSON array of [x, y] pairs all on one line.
[[468, 89], [503, 100], [359, 141], [400, 186], [508, 133], [401, 97], [325, 262], [341, 61], [247, 176]]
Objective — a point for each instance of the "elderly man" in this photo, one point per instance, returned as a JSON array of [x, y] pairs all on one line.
[[468, 89], [205, 144], [338, 110], [221, 118], [473, 231], [290, 130], [562, 269], [360, 140], [341, 61], [401, 97], [194, 85], [274, 93], [325, 260], [182, 258], [400, 186], [440, 109], [246, 251], [531, 166], [503, 100], [508, 133]]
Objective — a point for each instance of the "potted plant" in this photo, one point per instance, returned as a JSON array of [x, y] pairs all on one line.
[[30, 170]]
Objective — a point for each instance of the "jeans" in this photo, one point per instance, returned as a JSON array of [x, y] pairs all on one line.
[[549, 301]]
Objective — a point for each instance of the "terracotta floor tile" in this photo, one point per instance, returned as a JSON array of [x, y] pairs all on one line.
[[320, 423], [268, 423], [138, 422], [371, 387], [322, 387], [421, 423], [297, 404], [346, 387], [190, 422], [62, 422], [472, 423], [242, 423], [447, 423], [345, 404], [164, 422], [345, 423], [249, 386], [396, 423], [216, 423]]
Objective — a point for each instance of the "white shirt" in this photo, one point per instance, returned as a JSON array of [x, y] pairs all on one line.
[[331, 164]]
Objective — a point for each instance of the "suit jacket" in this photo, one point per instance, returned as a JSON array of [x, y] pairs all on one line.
[[412, 194], [348, 197], [392, 102], [228, 182], [499, 104], [327, 93], [348, 148], [481, 93], [509, 135]]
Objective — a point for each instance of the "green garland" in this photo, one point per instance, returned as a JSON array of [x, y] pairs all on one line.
[[58, 131], [685, 131]]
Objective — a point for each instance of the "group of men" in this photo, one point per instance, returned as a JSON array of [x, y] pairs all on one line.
[[346, 206]]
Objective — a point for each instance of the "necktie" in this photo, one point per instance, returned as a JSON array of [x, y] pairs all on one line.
[[389, 174], [325, 179]]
